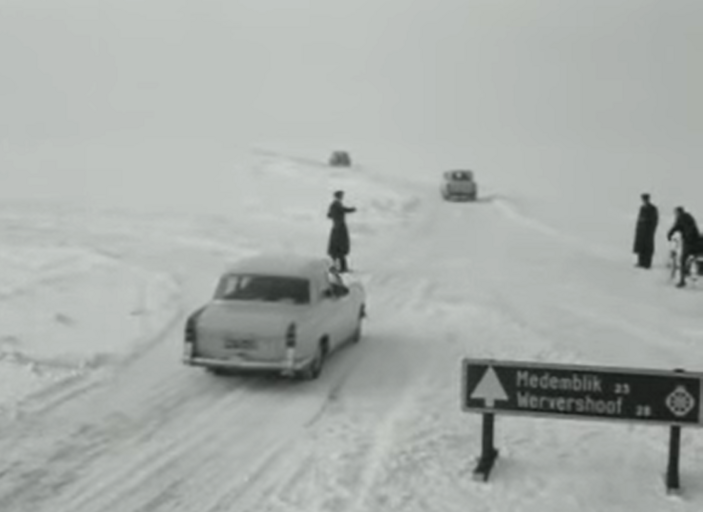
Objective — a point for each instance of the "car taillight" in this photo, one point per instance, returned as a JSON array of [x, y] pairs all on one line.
[[190, 336], [291, 336], [191, 333]]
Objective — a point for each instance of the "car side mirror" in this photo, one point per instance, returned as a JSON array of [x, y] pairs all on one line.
[[328, 293], [340, 290]]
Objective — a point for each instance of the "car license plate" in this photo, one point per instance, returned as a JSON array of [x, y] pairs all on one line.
[[240, 344]]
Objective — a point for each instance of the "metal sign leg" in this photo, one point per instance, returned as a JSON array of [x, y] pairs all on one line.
[[673, 463], [489, 452]]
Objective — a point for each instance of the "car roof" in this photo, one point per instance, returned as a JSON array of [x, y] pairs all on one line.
[[277, 264], [458, 171]]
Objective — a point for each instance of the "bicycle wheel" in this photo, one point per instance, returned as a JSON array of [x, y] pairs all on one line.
[[674, 264]]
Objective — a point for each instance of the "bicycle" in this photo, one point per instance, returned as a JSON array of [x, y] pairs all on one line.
[[693, 265]]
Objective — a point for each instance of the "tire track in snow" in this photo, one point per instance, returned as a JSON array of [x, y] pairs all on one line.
[[165, 445], [171, 452], [383, 442]]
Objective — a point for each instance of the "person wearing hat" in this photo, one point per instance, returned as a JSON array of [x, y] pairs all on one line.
[[644, 243], [339, 242], [686, 226]]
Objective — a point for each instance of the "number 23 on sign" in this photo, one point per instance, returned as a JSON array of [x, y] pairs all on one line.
[[622, 389]]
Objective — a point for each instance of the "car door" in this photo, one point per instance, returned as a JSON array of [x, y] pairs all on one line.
[[343, 304], [324, 317]]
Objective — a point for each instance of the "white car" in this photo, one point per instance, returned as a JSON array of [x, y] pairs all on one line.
[[277, 313]]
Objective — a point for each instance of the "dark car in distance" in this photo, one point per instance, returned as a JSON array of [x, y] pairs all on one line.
[[459, 184]]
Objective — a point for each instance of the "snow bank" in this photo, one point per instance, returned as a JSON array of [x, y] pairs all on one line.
[[303, 189], [67, 309], [188, 176]]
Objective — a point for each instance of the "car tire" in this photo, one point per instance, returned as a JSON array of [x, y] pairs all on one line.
[[357, 333], [315, 368]]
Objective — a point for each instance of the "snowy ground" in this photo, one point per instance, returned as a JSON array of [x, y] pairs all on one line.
[[98, 415], [65, 310]]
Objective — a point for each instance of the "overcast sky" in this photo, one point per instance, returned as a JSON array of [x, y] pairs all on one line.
[[608, 70], [589, 76]]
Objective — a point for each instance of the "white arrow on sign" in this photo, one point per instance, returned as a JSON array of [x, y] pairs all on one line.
[[489, 389]]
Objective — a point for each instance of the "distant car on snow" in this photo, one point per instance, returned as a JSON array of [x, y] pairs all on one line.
[[284, 314], [459, 184], [340, 159]]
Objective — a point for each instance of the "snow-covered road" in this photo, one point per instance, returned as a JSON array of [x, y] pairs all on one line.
[[382, 429]]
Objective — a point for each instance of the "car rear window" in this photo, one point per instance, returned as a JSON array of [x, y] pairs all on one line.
[[258, 288], [461, 175]]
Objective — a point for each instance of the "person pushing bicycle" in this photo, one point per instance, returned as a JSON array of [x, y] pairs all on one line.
[[691, 239]]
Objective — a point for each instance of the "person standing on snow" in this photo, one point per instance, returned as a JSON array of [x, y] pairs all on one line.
[[644, 243], [339, 242], [686, 226]]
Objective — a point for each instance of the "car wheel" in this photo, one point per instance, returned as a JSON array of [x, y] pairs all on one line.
[[315, 368], [357, 334]]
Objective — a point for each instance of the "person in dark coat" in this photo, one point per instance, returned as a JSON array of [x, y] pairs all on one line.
[[686, 226], [339, 242], [644, 243]]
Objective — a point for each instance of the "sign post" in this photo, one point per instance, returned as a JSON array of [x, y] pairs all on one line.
[[654, 397], [490, 391], [489, 452], [672, 477], [672, 480]]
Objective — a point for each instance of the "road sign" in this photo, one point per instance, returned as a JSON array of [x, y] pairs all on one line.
[[603, 393]]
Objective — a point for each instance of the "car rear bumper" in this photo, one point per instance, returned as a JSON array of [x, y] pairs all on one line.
[[461, 195], [460, 191], [286, 366]]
